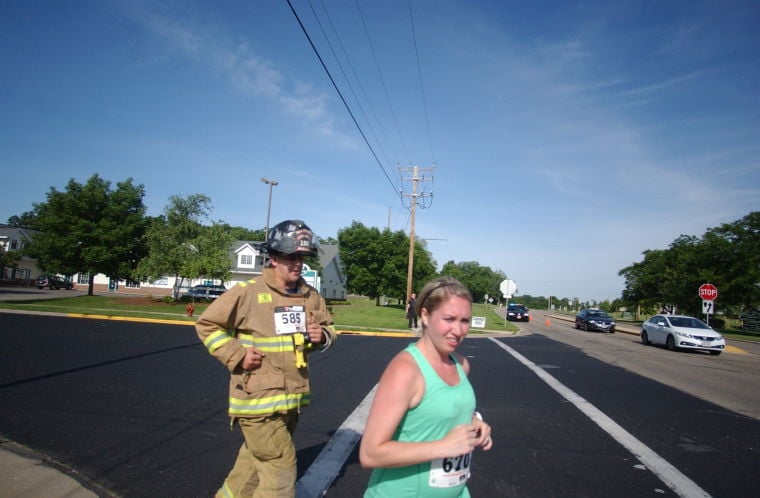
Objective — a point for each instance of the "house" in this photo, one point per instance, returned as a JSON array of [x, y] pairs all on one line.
[[333, 284], [25, 271], [247, 262]]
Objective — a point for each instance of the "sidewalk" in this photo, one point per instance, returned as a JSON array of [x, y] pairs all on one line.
[[25, 474]]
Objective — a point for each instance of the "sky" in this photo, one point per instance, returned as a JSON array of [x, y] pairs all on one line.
[[553, 141]]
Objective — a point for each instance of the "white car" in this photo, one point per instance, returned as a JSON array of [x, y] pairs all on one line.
[[682, 332]]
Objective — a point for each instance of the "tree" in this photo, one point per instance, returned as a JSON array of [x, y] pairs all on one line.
[[329, 240], [733, 250], [481, 280], [9, 258], [179, 245], [727, 256], [90, 228], [240, 233], [26, 220], [643, 280], [376, 262]]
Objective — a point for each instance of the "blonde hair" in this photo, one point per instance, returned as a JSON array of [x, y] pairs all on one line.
[[439, 290]]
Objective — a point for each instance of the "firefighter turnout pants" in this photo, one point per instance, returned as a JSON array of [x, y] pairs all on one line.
[[266, 463]]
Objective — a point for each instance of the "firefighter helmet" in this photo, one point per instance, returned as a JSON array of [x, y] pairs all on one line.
[[292, 237]]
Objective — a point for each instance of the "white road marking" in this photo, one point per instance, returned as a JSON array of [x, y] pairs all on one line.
[[321, 474], [668, 474]]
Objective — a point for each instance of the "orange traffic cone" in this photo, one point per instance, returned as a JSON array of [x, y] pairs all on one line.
[[530, 318], [548, 323]]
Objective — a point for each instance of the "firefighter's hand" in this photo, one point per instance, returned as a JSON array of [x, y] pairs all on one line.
[[316, 335], [253, 358]]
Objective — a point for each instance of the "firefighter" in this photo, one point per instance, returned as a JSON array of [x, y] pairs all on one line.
[[263, 331]]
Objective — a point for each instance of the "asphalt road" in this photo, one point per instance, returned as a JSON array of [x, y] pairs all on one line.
[[140, 410]]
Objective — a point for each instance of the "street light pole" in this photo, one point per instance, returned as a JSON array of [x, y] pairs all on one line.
[[271, 183]]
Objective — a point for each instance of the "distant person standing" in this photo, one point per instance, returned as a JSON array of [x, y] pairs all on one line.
[[411, 312]]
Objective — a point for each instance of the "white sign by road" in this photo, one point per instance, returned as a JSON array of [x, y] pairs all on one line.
[[479, 322], [708, 307], [508, 287]]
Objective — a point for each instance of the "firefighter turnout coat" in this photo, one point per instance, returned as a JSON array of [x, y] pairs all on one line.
[[260, 313]]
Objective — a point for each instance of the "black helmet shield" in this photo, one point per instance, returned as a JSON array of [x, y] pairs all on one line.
[[292, 237]]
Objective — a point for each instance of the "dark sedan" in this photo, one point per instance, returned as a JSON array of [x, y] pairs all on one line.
[[594, 319], [53, 282], [518, 313], [208, 292]]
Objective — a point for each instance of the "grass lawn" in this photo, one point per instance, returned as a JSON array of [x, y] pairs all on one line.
[[362, 313], [359, 314]]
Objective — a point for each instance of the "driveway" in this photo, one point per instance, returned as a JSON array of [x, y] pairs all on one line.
[[11, 293]]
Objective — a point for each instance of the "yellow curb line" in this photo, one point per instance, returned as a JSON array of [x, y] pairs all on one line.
[[129, 319], [729, 349], [374, 333], [734, 349]]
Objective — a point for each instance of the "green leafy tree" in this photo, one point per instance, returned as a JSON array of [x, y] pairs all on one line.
[[90, 228], [481, 280], [643, 280], [240, 233], [26, 220], [424, 268], [377, 262], [732, 251], [211, 257], [180, 245], [9, 258], [727, 256], [532, 302]]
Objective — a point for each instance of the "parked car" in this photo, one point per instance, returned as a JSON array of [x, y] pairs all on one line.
[[518, 313], [53, 282], [682, 332], [594, 319], [205, 291]]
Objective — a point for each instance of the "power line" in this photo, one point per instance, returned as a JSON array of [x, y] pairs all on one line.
[[422, 87], [382, 82], [345, 104], [356, 77]]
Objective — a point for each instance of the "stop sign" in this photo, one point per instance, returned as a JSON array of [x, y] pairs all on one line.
[[708, 292]]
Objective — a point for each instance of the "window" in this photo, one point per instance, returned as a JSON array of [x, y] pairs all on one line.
[[246, 260], [83, 278], [161, 281], [132, 284], [14, 245]]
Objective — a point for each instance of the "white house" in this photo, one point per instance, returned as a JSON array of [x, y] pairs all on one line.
[[247, 262], [333, 281], [25, 271]]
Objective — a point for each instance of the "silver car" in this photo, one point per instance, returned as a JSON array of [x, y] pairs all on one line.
[[682, 332]]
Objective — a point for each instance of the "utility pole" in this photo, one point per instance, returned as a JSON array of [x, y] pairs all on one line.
[[417, 196]]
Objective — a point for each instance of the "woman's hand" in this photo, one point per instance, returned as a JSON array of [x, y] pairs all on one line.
[[484, 433], [460, 440]]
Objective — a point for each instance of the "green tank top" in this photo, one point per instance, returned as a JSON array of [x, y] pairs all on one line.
[[442, 408]]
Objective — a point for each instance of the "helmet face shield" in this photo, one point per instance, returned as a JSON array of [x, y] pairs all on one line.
[[292, 237]]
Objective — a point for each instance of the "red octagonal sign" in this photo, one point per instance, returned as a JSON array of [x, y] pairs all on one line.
[[708, 292]]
